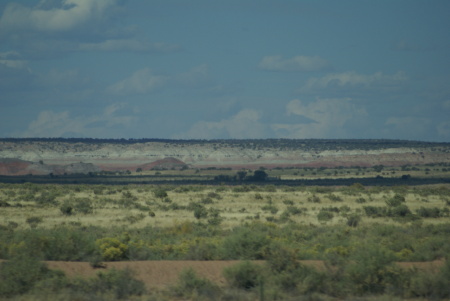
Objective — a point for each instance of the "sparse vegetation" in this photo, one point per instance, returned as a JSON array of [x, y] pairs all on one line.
[[279, 225]]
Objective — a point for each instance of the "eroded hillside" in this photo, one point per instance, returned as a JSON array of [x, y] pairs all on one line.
[[60, 156]]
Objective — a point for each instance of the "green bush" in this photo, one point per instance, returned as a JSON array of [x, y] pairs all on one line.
[[397, 200], [270, 208], [120, 283], [34, 221], [200, 212], [431, 285], [190, 285], [160, 193], [374, 211], [66, 208], [324, 215], [214, 217], [294, 210], [399, 211], [244, 275], [20, 274], [245, 243], [112, 249], [428, 212], [371, 270], [360, 200], [314, 199], [83, 205], [353, 220]]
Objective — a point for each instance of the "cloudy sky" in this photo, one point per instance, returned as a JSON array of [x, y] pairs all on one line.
[[225, 69]]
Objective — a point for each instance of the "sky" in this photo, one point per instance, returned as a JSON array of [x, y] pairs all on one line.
[[230, 69]]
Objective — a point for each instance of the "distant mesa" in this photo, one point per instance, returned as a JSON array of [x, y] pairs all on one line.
[[18, 167], [58, 156]]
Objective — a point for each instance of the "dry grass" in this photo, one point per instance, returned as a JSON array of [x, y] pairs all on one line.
[[112, 208]]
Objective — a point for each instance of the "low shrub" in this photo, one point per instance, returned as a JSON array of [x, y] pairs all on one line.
[[190, 285], [353, 220], [374, 211], [66, 208], [160, 193], [371, 270], [360, 200], [20, 274], [83, 205], [112, 249], [120, 283], [244, 275], [324, 215], [34, 221], [245, 243], [396, 201], [431, 285], [428, 212], [314, 199]]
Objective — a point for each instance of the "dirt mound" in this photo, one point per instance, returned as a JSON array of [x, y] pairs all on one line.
[[166, 163], [10, 166]]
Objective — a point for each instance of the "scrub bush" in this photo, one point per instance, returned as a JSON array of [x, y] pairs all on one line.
[[190, 285], [20, 274], [244, 275]]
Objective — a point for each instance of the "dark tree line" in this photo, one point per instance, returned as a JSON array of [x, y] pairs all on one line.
[[259, 144]]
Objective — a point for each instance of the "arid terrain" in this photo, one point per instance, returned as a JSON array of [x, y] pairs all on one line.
[[66, 156], [162, 274], [224, 220]]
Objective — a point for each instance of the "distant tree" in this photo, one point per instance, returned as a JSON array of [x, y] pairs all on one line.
[[241, 174], [259, 175]]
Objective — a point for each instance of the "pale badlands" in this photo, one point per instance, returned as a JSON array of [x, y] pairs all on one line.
[[37, 157]]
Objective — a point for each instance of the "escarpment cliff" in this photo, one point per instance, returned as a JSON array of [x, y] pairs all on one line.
[[60, 156]]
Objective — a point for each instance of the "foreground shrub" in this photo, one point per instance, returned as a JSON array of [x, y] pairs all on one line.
[[190, 285], [372, 271], [324, 215], [244, 275], [112, 249], [431, 285], [245, 244], [118, 282], [429, 212], [353, 220], [34, 221], [20, 274]]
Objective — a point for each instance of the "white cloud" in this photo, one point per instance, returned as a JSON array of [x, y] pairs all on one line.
[[297, 63], [59, 124], [329, 118], [405, 45], [194, 77], [133, 45], [353, 80], [407, 127], [12, 59], [245, 124], [71, 14], [140, 82], [443, 130]]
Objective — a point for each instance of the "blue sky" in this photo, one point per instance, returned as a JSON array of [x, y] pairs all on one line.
[[225, 69]]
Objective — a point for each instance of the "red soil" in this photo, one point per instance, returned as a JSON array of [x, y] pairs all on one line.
[[160, 274]]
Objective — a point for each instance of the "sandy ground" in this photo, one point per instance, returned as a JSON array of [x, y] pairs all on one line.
[[160, 274]]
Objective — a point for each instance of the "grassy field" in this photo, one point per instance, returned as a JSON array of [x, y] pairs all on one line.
[[139, 206], [357, 231]]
